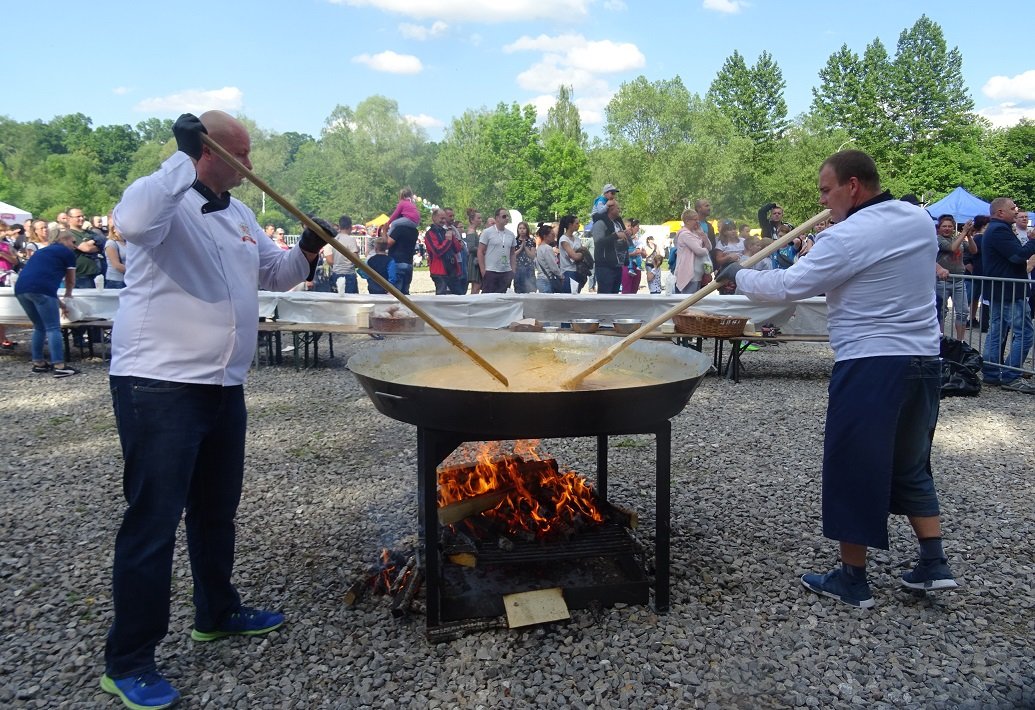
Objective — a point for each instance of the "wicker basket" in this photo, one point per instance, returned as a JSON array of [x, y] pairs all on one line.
[[708, 325]]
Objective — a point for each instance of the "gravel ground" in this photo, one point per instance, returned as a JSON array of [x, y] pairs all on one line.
[[330, 481]]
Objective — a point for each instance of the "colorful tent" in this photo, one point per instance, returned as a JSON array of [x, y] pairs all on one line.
[[378, 221]]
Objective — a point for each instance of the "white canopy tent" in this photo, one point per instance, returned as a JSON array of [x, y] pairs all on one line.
[[13, 215]]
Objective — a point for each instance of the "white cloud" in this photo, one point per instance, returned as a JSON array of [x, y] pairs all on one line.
[[475, 40], [606, 56], [121, 90], [584, 65], [391, 63], [229, 98], [1011, 88], [420, 32], [480, 11], [1007, 114], [424, 121], [728, 6]]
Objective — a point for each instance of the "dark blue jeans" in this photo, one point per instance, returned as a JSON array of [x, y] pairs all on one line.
[[183, 449], [351, 283], [403, 276], [609, 278], [44, 312]]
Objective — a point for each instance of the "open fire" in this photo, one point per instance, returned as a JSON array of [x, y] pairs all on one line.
[[515, 493]]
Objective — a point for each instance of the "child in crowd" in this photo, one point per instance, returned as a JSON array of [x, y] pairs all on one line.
[[405, 213], [753, 245], [382, 264], [785, 257], [654, 273]]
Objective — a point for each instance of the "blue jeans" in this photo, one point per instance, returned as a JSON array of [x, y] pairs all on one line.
[[609, 278], [45, 314], [351, 283], [183, 449], [403, 276], [114, 284], [953, 288], [1006, 317], [542, 284], [524, 280]]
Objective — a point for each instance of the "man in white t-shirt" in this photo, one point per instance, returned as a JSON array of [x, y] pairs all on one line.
[[341, 267], [497, 254]]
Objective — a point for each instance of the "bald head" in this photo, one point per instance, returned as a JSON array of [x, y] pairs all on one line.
[[220, 124], [230, 133]]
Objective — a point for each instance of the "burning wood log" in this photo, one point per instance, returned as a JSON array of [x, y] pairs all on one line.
[[455, 512], [400, 578], [404, 598], [626, 517]]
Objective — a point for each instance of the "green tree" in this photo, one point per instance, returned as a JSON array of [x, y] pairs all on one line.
[[837, 101], [155, 130], [464, 163], [752, 97], [563, 118], [930, 98], [1012, 150], [565, 171], [114, 147]]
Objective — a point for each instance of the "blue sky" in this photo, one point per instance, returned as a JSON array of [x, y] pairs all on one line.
[[287, 64]]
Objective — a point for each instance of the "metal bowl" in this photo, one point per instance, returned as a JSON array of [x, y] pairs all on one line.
[[585, 325], [624, 326]]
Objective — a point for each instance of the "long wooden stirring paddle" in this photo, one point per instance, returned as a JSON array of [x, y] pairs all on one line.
[[643, 330], [360, 264]]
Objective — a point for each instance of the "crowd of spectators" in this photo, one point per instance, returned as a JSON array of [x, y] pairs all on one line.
[[607, 254]]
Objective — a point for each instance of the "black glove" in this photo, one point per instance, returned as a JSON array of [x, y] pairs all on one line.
[[187, 130], [728, 273], [310, 241]]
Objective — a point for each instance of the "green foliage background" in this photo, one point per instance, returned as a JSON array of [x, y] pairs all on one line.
[[663, 145]]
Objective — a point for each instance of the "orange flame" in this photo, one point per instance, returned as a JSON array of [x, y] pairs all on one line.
[[542, 500]]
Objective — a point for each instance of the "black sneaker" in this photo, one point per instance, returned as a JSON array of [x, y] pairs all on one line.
[[65, 371], [836, 585], [1020, 385], [40, 369], [929, 576]]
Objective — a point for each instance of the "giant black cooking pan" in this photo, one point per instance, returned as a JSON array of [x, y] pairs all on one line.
[[390, 372]]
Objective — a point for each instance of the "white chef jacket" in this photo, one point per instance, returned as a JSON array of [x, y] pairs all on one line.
[[190, 308], [876, 268]]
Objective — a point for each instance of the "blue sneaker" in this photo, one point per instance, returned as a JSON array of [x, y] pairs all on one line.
[[836, 585], [149, 691], [929, 576], [244, 622]]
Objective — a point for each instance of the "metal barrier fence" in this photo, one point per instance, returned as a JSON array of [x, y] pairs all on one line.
[[967, 307]]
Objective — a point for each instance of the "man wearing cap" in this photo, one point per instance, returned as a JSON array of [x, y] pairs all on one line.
[[600, 204]]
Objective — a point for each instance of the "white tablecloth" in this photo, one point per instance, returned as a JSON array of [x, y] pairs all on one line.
[[808, 317]]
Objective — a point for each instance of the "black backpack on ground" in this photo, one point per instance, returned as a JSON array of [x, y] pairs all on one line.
[[961, 364]]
